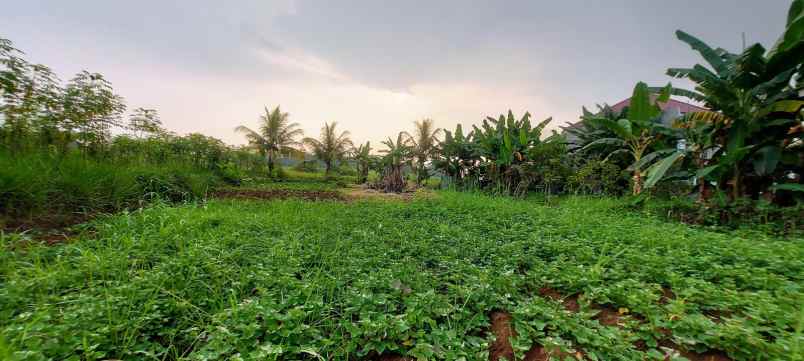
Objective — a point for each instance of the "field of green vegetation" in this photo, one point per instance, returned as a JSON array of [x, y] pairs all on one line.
[[427, 279], [636, 233]]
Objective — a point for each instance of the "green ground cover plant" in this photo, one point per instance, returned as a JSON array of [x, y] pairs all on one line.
[[291, 280]]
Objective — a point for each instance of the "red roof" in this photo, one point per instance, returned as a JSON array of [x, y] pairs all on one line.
[[683, 107]]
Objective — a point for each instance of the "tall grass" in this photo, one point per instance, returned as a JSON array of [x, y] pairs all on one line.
[[37, 185]]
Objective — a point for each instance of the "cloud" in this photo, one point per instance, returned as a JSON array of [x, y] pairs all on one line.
[[299, 60], [372, 66]]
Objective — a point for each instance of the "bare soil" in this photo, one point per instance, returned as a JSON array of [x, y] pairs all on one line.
[[570, 302], [359, 192], [268, 194], [501, 328]]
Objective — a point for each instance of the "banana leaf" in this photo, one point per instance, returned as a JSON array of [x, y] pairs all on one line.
[[657, 171]]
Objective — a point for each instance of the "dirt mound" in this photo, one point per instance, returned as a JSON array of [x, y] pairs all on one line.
[[501, 328], [309, 195], [569, 302], [608, 316], [501, 348]]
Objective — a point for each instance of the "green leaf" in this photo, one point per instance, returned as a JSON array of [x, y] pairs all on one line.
[[649, 158], [523, 137], [710, 55], [615, 127], [664, 94], [794, 29], [766, 159], [783, 106], [626, 126], [703, 172], [680, 92], [604, 141], [795, 187], [641, 108], [658, 170], [618, 151]]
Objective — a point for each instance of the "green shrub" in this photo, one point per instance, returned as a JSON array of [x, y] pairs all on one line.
[[597, 177], [720, 211], [310, 166]]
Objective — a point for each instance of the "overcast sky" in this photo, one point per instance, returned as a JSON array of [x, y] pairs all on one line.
[[376, 66]]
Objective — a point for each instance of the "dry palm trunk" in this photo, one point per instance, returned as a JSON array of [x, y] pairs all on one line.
[[637, 183], [393, 180]]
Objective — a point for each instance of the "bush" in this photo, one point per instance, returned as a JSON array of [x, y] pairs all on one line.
[[230, 174], [344, 169], [598, 178], [720, 211], [310, 166]]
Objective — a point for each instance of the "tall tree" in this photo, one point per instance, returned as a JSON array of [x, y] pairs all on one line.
[[330, 146], [423, 145], [275, 135], [145, 123], [30, 98], [92, 107]]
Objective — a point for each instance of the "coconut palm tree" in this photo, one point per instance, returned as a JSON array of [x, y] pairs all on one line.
[[330, 146], [275, 135], [423, 143]]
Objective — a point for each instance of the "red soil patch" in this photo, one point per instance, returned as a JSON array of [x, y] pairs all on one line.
[[667, 295], [501, 348], [49, 229], [278, 194], [608, 316], [540, 353], [501, 328], [569, 302]]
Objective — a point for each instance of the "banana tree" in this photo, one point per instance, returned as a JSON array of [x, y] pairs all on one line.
[[636, 133], [503, 142], [362, 155], [588, 130], [396, 156], [456, 156], [757, 94]]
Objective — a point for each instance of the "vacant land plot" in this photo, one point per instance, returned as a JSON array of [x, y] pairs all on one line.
[[453, 277]]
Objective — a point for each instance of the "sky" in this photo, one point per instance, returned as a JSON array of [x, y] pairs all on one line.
[[375, 67]]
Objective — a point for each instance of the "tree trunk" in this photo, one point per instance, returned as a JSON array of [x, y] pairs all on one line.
[[736, 186], [270, 164], [702, 196], [637, 183]]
